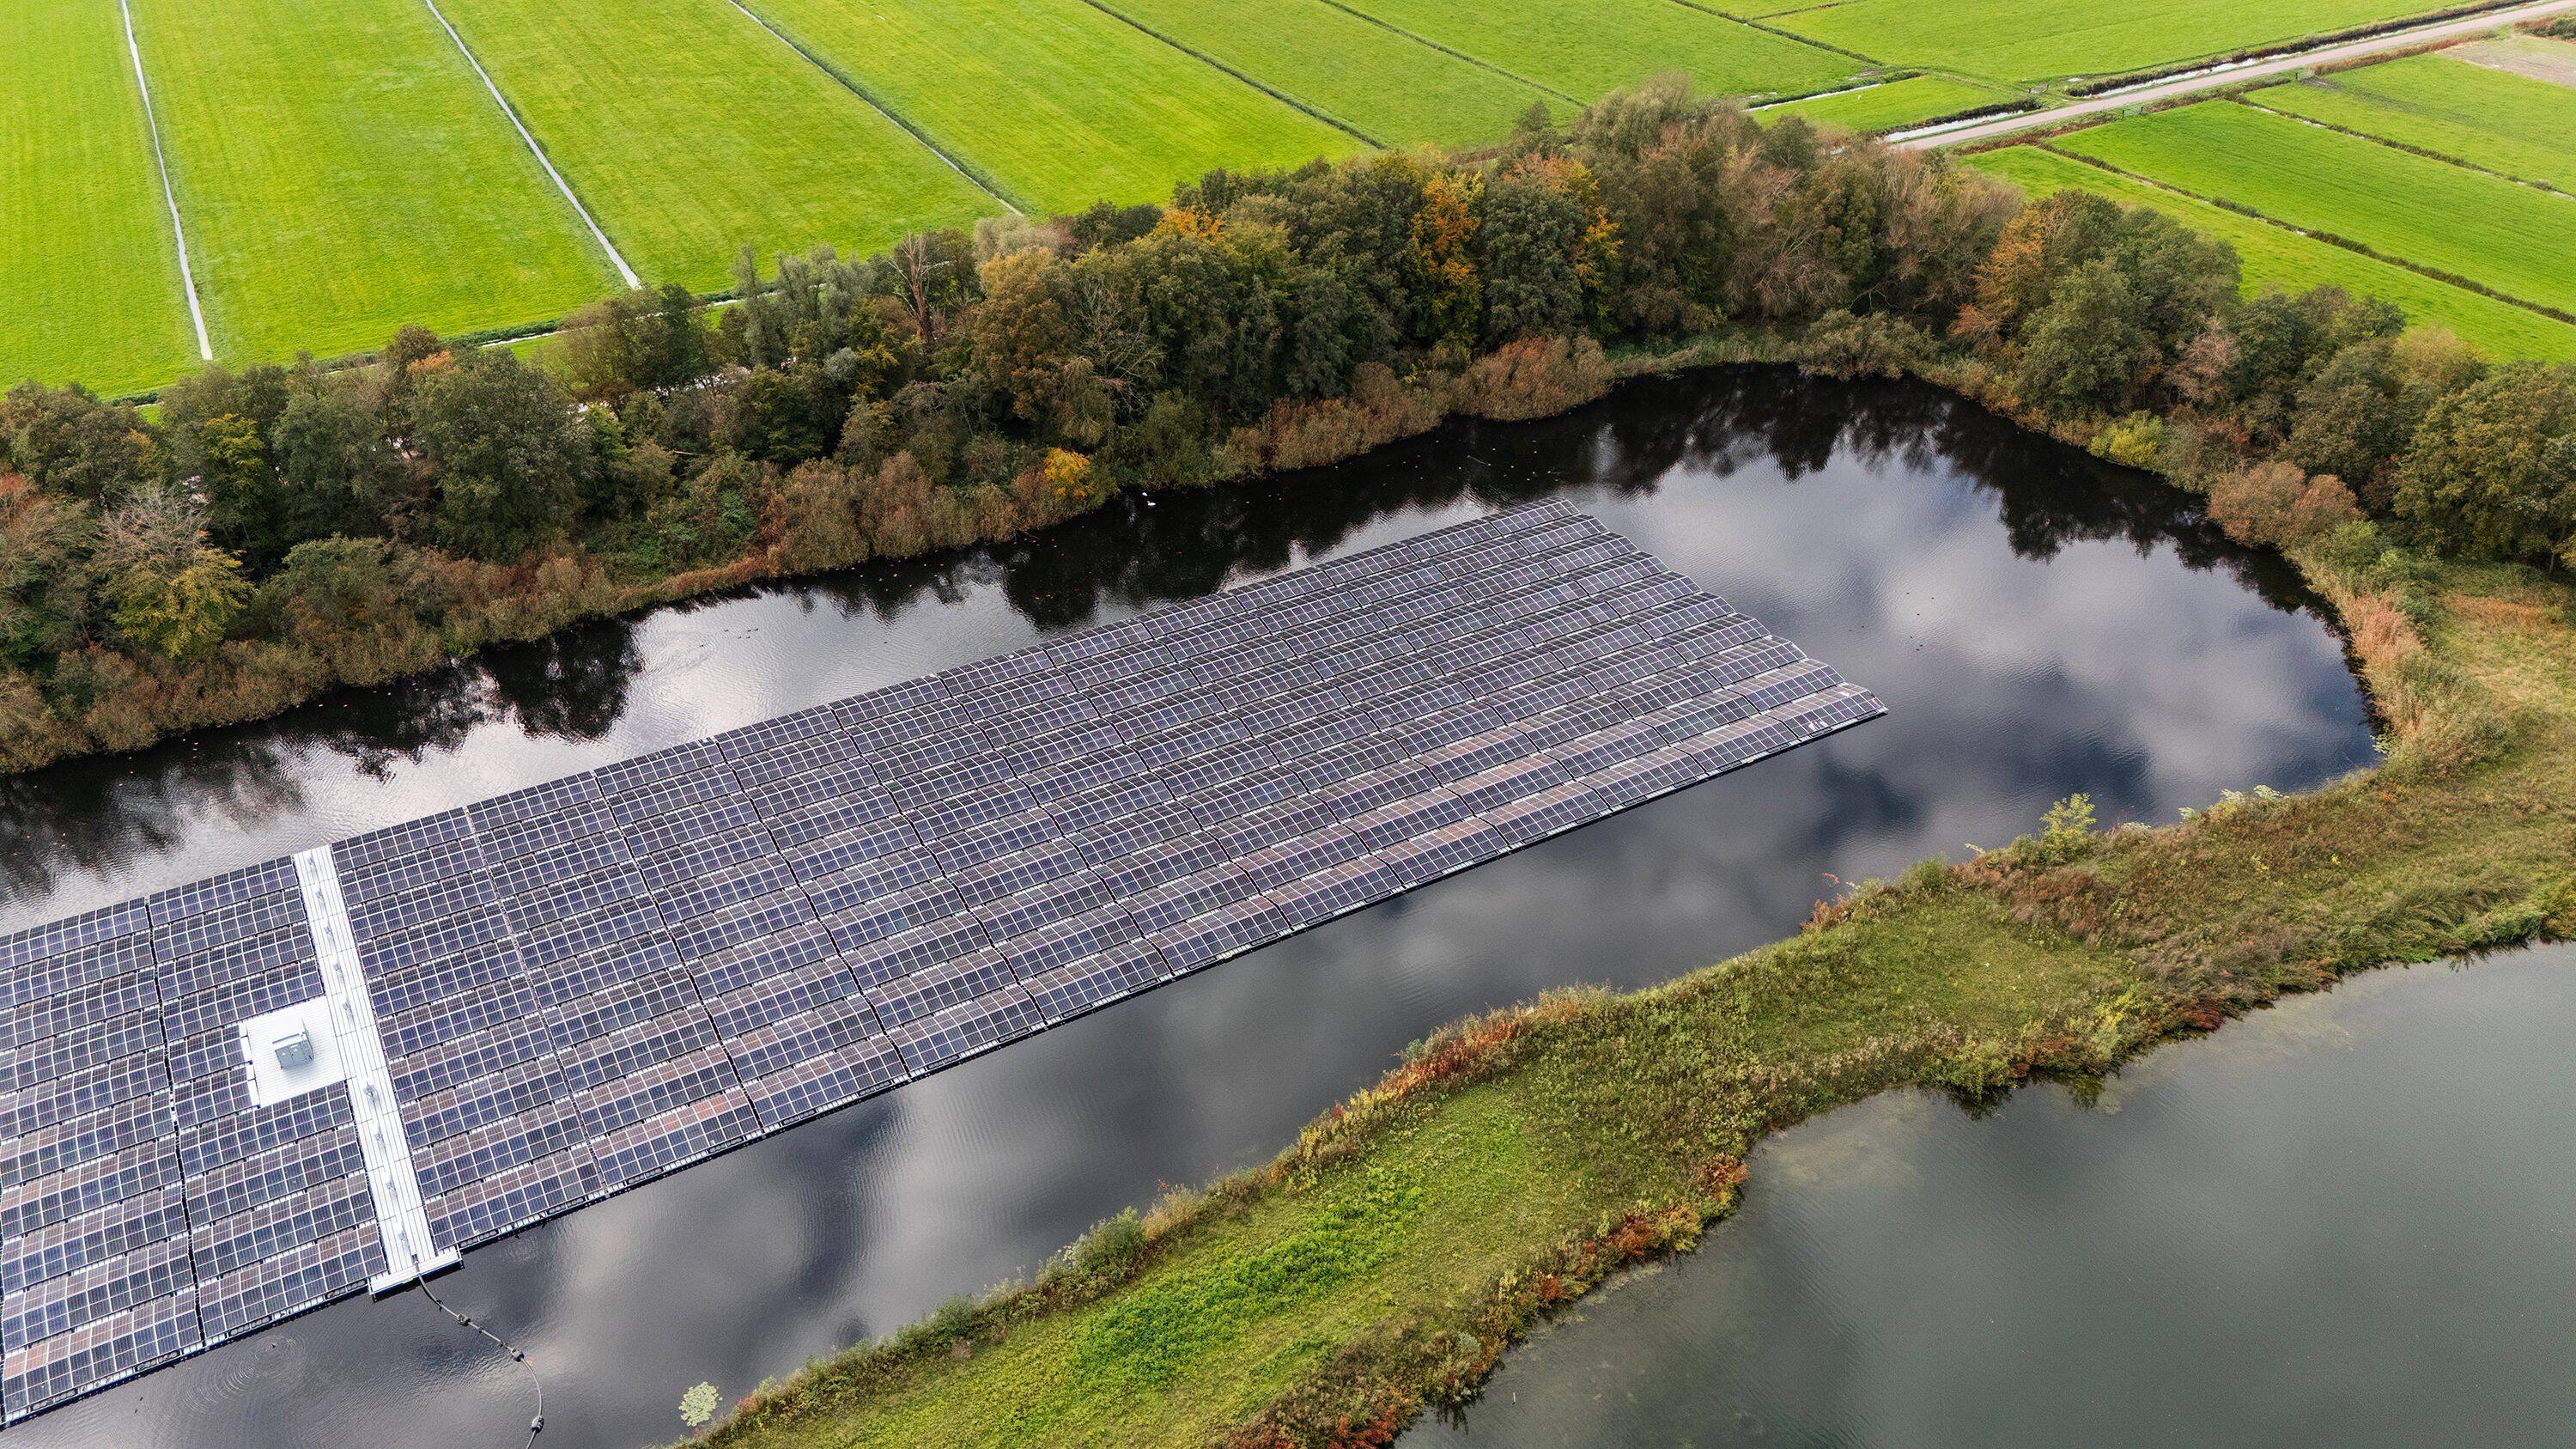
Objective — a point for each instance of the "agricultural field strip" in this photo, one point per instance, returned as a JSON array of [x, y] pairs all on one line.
[[584, 985], [1372, 79], [341, 177], [1209, 58], [692, 131], [82, 214], [2488, 120], [2426, 214], [1584, 50], [1906, 101], [2277, 255], [615, 257], [169, 198], [1055, 102], [2026, 41], [842, 78], [1399, 31]]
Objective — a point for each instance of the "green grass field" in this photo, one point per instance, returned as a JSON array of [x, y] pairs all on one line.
[[342, 173], [1898, 103], [2275, 256], [1583, 48], [2508, 237], [1058, 103], [1397, 90], [2503, 122], [2038, 40], [687, 130], [89, 273]]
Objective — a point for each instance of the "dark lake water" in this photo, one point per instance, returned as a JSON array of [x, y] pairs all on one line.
[[2037, 624], [2342, 1221]]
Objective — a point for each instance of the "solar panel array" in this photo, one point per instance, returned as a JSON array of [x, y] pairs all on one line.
[[589, 983]]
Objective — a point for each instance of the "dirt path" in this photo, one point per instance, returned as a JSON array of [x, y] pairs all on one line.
[[2231, 75]]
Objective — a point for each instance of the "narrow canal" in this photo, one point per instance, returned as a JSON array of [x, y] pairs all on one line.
[[2037, 623]]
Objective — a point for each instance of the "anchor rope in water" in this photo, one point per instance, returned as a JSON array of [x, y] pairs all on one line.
[[536, 1425]]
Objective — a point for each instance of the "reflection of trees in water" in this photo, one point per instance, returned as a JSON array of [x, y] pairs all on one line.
[[1148, 549], [91, 817]]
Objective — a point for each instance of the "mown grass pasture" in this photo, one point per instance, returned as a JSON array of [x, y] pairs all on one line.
[[342, 173], [688, 131], [2275, 256], [2488, 118], [89, 271], [1055, 103], [2462, 222], [2042, 40], [1586, 48], [1898, 103], [1392, 88]]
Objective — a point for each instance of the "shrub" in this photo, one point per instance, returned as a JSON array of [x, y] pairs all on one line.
[[1535, 377], [2066, 831], [2277, 505], [1840, 344], [2134, 441]]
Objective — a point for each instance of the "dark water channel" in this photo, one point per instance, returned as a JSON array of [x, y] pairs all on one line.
[[2342, 1221], [2036, 623]]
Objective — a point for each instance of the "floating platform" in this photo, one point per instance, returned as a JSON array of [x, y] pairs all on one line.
[[231, 1102]]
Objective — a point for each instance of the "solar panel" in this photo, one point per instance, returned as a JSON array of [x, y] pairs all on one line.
[[587, 983]]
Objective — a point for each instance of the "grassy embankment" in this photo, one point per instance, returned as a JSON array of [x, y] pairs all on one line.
[[1383, 1262]]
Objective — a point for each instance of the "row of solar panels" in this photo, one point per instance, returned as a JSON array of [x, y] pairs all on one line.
[[145, 1208], [590, 982]]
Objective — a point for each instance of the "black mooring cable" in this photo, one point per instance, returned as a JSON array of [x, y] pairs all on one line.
[[536, 1425]]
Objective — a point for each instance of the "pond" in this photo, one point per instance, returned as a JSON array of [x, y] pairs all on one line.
[[2037, 623], [2340, 1221]]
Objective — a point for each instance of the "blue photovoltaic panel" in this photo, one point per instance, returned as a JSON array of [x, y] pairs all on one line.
[[587, 983]]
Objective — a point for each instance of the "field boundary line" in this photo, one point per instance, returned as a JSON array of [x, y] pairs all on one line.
[[2410, 148], [632, 281], [2238, 208], [169, 198], [1267, 89], [1777, 33], [974, 175], [1392, 28]]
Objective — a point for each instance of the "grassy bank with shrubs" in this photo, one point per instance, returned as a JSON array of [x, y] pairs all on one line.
[[1381, 1265], [276, 532]]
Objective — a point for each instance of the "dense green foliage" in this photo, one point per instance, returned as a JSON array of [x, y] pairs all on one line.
[[281, 529]]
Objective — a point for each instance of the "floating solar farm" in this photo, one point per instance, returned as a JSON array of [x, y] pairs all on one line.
[[233, 1101]]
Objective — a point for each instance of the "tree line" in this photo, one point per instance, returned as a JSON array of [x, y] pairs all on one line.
[[278, 530]]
